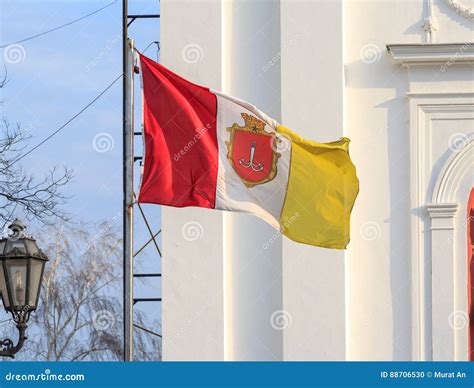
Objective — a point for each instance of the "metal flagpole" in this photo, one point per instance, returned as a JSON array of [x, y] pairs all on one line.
[[128, 191], [128, 198]]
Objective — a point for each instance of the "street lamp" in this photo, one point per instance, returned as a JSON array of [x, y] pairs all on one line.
[[21, 271]]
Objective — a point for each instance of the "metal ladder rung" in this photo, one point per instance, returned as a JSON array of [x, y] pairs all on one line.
[[145, 275], [136, 300]]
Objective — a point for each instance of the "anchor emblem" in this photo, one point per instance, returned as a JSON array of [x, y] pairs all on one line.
[[251, 164], [251, 151]]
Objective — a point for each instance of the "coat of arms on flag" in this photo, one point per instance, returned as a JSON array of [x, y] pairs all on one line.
[[251, 151]]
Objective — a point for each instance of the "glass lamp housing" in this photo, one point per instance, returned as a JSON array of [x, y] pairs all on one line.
[[21, 270]]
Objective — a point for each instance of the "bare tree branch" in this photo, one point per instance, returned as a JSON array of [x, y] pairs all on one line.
[[80, 309], [39, 199]]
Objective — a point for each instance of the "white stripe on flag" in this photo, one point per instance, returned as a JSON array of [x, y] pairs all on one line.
[[264, 200]]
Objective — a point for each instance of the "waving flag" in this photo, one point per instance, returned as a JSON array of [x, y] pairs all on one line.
[[206, 149]]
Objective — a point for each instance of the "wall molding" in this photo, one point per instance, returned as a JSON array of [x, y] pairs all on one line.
[[409, 54], [442, 210], [442, 216], [461, 9], [459, 163], [438, 205], [439, 95]]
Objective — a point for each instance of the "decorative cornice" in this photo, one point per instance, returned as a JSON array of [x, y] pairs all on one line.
[[442, 210], [432, 53], [438, 95]]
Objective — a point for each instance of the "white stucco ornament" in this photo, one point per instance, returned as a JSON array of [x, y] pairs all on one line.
[[430, 25], [461, 9]]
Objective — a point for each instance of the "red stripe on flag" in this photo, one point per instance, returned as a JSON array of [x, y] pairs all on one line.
[[181, 151]]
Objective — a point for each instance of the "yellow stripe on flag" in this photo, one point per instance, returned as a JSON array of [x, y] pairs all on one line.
[[322, 189]]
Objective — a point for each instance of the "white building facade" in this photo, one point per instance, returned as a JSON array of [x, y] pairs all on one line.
[[397, 78]]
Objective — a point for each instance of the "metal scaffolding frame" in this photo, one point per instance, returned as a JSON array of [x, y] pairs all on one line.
[[129, 196]]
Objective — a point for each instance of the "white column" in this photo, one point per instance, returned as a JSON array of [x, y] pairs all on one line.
[[312, 92], [253, 269], [191, 37], [442, 281]]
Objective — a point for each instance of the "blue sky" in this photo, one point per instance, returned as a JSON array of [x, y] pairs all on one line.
[[54, 77], [57, 75]]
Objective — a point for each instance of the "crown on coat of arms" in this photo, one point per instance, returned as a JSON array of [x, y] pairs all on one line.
[[254, 124]]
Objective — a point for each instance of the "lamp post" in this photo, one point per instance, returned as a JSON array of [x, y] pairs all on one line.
[[21, 272]]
